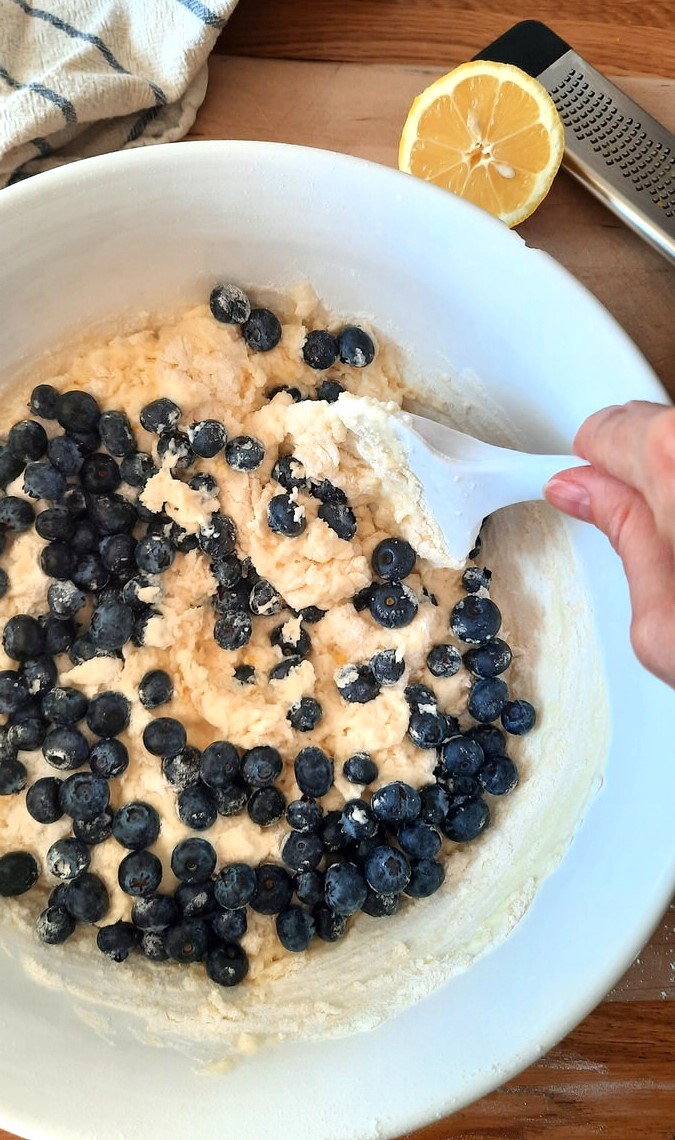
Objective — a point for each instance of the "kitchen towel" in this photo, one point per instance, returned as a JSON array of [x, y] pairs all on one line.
[[83, 77]]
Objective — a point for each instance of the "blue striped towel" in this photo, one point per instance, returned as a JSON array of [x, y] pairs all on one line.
[[83, 77]]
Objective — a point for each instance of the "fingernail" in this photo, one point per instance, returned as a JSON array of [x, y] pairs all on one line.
[[570, 496]]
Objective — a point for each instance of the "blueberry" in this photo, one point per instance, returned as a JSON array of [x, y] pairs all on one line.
[[332, 835], [207, 438], [310, 887], [290, 642], [117, 940], [435, 803], [95, 830], [498, 775], [466, 820], [175, 445], [188, 941], [419, 839], [118, 553], [340, 518], [160, 415], [286, 516], [260, 766], [55, 525], [88, 441], [13, 691], [273, 890], [164, 736], [227, 964], [75, 502], [26, 733], [28, 440], [13, 777], [23, 638], [302, 850], [112, 514], [65, 600], [231, 799], [430, 729], [475, 619], [16, 514], [227, 571], [305, 714], [44, 401], [293, 392], [196, 900], [196, 807], [304, 815], [77, 411], [355, 347], [218, 537], [392, 605], [264, 600], [229, 925], [330, 391], [193, 860], [420, 697], [100, 474], [476, 578], [266, 806], [141, 625], [235, 885], [86, 537], [108, 714], [487, 698], [90, 574], [489, 659], [154, 554], [67, 858], [462, 756], [311, 615], [518, 717], [152, 945], [10, 465], [202, 482], [387, 870], [182, 769], [137, 468], [360, 769], [219, 764], [139, 873], [443, 660], [358, 821], [262, 330], [345, 888], [58, 560], [136, 825], [320, 349], [59, 633], [387, 666], [42, 800], [244, 453], [330, 926], [4, 582], [327, 492], [290, 473], [65, 454], [462, 788], [116, 434], [57, 896], [233, 629], [154, 912], [229, 304], [84, 795], [295, 928], [396, 803], [83, 649], [18, 873], [54, 925], [87, 898], [356, 684], [426, 876], [244, 674], [39, 675], [65, 748], [42, 481], [393, 559], [133, 588], [313, 771], [380, 906], [155, 688]]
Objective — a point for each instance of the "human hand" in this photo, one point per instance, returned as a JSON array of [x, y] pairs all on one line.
[[628, 492]]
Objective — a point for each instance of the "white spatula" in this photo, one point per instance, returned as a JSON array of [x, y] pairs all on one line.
[[464, 479]]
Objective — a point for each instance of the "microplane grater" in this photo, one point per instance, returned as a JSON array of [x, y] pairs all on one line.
[[619, 152]]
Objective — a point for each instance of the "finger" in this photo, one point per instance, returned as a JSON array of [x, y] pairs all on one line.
[[617, 440], [624, 516]]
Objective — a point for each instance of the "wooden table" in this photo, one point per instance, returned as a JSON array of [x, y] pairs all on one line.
[[614, 1076]]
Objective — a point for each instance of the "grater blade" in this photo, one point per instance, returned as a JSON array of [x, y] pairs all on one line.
[[619, 152]]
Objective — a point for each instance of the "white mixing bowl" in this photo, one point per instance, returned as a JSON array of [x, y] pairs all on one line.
[[459, 292]]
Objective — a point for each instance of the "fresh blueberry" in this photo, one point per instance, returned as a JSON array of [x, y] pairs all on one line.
[[466, 820], [112, 514], [152, 946], [387, 870], [13, 691], [330, 926], [311, 615], [42, 800], [340, 518], [462, 788], [387, 666], [182, 769], [207, 438], [304, 815], [13, 777], [475, 619], [84, 795], [65, 454], [443, 661], [117, 940], [518, 717], [139, 873], [42, 481], [430, 729], [345, 888], [26, 732], [426, 876], [193, 860], [83, 649], [90, 574], [487, 698], [154, 554], [229, 925], [310, 887], [489, 659], [231, 799], [419, 839], [196, 900], [86, 537], [476, 578], [244, 453], [227, 964], [57, 896], [281, 671], [244, 674], [392, 605], [136, 825], [28, 440], [164, 736], [313, 772], [233, 629], [44, 401], [218, 537], [290, 473], [290, 389], [58, 560], [137, 468], [393, 559], [77, 411], [260, 766], [116, 434], [295, 928], [196, 807], [18, 873], [396, 803], [55, 525], [65, 748], [358, 821], [262, 330], [498, 775], [235, 886], [355, 347], [108, 714], [111, 626], [356, 684], [175, 446], [39, 675], [10, 466], [305, 714], [87, 898], [266, 806], [16, 514], [490, 738], [360, 769], [155, 688], [100, 474], [292, 643], [229, 304], [329, 390], [4, 582], [220, 764], [118, 553], [59, 633], [23, 638], [332, 835], [327, 492], [286, 516], [160, 415], [96, 830], [302, 851], [462, 756], [154, 912], [54, 925], [380, 906], [435, 803], [89, 441], [320, 350], [273, 889], [67, 858]]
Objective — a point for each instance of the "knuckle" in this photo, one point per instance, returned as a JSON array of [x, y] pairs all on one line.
[[661, 445], [644, 637]]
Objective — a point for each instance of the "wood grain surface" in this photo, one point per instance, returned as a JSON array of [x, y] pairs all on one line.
[[625, 37]]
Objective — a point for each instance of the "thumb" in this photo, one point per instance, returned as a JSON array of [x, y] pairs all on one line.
[[622, 514]]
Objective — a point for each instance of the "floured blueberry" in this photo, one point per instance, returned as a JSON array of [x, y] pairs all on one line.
[[290, 473], [207, 438], [244, 453], [476, 578], [304, 814], [266, 805], [392, 605], [330, 391], [116, 434], [280, 672], [330, 926], [65, 748], [229, 304], [174, 447], [387, 666], [16, 514], [229, 925], [305, 714], [355, 347], [444, 660], [489, 659], [13, 777], [264, 600], [67, 858], [396, 802], [235, 885], [356, 684], [233, 628], [340, 518], [286, 516], [160, 415], [360, 769], [54, 925], [320, 349]]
